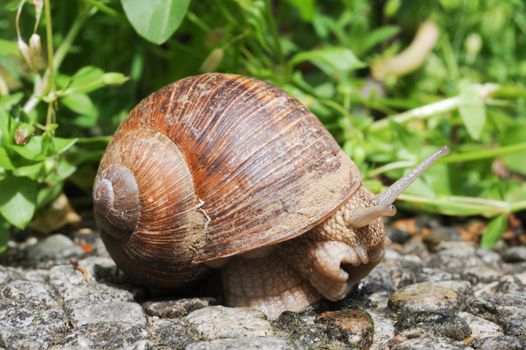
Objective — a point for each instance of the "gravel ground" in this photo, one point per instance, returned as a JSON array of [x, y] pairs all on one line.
[[440, 295]]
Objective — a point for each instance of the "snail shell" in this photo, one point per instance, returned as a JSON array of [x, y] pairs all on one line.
[[213, 166]]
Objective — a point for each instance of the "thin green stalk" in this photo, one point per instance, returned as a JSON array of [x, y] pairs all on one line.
[[51, 80], [484, 153], [465, 206], [104, 8], [391, 166], [424, 112], [40, 87]]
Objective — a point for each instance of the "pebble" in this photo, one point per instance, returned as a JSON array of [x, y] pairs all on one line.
[[420, 339], [303, 329], [169, 333], [480, 328], [250, 343], [81, 312], [502, 342], [53, 247], [176, 308], [457, 256], [429, 296], [215, 322], [514, 254], [441, 323], [507, 310], [106, 335], [353, 327]]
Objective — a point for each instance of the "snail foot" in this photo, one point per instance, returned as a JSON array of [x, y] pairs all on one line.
[[266, 283]]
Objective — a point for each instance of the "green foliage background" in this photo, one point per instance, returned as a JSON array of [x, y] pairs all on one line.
[[109, 54]]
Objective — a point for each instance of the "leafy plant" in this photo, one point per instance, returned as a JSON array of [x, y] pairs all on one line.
[[461, 84]]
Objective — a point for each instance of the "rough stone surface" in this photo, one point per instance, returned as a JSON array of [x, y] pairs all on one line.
[[429, 296], [503, 342], [81, 312], [514, 254], [480, 328], [431, 293], [419, 339], [215, 322], [260, 343], [176, 308], [442, 323], [353, 328], [169, 333], [54, 247]]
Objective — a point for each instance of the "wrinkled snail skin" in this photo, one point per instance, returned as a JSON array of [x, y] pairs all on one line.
[[232, 173]]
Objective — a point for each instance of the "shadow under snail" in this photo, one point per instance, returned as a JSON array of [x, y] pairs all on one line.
[[228, 172]]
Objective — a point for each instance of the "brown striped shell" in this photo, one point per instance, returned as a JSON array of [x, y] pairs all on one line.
[[212, 166]]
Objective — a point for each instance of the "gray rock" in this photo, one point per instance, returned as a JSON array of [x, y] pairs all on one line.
[[30, 293], [102, 281], [514, 254], [511, 284], [428, 274], [507, 310], [54, 247], [260, 343], [393, 272], [354, 328], [384, 330], [176, 308], [442, 323], [215, 322], [419, 339], [106, 335], [8, 274], [480, 274], [480, 328], [30, 326], [169, 333], [302, 329], [81, 312], [502, 342], [457, 256], [430, 296]]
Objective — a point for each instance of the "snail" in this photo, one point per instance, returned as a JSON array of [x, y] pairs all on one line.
[[221, 171]]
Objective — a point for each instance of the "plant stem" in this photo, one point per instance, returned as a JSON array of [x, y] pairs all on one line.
[[465, 206], [485, 153], [51, 69], [431, 109], [59, 56]]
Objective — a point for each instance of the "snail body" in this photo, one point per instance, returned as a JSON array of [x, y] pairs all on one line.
[[230, 172]]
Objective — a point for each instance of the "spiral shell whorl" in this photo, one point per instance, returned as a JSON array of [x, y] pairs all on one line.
[[116, 201], [147, 209]]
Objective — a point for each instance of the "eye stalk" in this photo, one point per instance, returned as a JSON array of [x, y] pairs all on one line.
[[384, 201]]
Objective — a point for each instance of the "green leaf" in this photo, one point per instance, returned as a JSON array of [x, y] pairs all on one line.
[[334, 61], [7, 102], [515, 134], [8, 47], [306, 8], [80, 103], [30, 171], [155, 20], [494, 231], [61, 144], [89, 79], [18, 200], [472, 111]]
